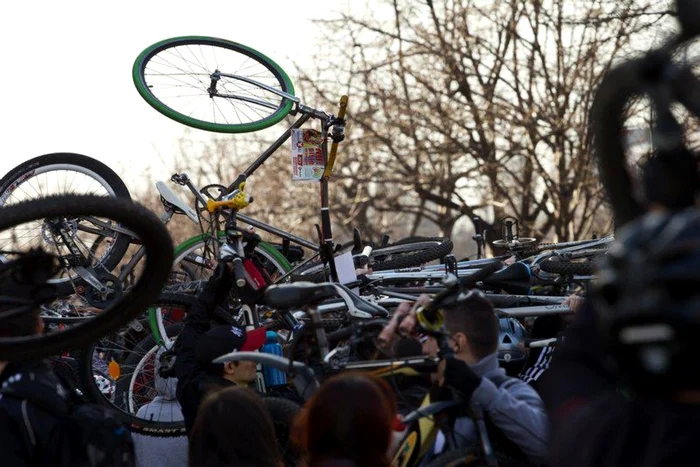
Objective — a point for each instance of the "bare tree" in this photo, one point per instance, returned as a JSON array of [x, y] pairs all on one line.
[[475, 107]]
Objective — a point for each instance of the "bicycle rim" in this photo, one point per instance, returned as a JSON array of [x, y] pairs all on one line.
[[193, 262], [68, 174], [132, 371], [175, 77], [142, 222]]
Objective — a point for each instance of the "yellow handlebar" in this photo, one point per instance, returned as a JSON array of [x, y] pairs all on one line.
[[343, 104]]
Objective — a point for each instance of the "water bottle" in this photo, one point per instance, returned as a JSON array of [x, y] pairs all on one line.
[[273, 376]]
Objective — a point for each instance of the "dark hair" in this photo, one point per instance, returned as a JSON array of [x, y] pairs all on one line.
[[24, 279], [233, 427], [21, 324], [349, 418], [476, 319]]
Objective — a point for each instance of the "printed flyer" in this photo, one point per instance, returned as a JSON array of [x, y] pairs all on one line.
[[307, 155]]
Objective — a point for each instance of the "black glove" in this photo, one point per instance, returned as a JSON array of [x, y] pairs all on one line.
[[459, 376], [214, 293], [220, 283]]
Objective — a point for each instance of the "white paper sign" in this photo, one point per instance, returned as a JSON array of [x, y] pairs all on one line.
[[307, 155], [345, 267]]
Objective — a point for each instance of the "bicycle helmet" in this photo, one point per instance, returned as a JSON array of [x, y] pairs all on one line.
[[511, 341], [647, 301]]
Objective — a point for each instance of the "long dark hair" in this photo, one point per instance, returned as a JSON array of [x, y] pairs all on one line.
[[233, 427], [349, 418]]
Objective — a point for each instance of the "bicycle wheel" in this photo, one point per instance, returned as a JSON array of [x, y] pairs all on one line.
[[194, 263], [68, 174], [410, 252], [194, 260], [28, 216], [407, 253], [568, 268], [213, 84], [283, 411], [133, 375]]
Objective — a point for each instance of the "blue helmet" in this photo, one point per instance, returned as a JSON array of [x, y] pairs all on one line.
[[511, 341]]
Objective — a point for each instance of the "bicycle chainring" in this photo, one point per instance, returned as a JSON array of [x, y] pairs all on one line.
[[103, 300]]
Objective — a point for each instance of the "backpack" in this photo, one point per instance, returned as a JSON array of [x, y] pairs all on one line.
[[86, 435]]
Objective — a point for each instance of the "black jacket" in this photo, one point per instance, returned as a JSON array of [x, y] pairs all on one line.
[[19, 446], [194, 382], [594, 424]]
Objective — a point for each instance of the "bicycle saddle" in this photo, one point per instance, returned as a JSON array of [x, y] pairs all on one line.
[[174, 202], [357, 306], [305, 293], [514, 279], [298, 294]]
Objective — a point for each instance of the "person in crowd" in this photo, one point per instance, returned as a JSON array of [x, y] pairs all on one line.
[[35, 403], [623, 388], [200, 342], [348, 422], [152, 450], [233, 428], [513, 409], [547, 327]]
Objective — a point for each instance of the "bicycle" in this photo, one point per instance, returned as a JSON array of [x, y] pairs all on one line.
[[218, 85], [54, 217], [423, 424]]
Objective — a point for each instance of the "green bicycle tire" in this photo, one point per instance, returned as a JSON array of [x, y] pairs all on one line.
[[264, 249], [139, 73]]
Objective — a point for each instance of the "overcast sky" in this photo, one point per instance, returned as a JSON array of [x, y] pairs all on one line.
[[66, 81]]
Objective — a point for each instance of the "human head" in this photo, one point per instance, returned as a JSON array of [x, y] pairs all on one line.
[[224, 339], [350, 417], [233, 428], [25, 279], [473, 328]]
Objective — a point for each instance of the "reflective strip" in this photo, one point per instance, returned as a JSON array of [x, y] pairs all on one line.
[[30, 430]]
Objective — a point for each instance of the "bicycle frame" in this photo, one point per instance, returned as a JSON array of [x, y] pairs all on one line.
[[325, 247]]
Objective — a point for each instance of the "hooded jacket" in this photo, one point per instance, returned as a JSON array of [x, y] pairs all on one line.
[[194, 382], [511, 406], [37, 378], [150, 450]]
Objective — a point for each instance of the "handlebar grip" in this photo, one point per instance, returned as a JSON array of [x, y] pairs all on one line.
[[363, 258], [343, 105], [239, 272]]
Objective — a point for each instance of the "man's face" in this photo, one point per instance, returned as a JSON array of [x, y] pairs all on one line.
[[245, 372], [430, 347]]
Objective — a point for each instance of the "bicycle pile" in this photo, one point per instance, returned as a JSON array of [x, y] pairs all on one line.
[[118, 293]]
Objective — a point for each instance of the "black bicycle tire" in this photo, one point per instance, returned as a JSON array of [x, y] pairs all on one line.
[[606, 120], [136, 424], [119, 247], [159, 257], [142, 86], [568, 268], [443, 246], [283, 412]]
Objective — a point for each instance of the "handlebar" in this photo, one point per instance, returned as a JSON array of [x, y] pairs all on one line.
[[337, 135]]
